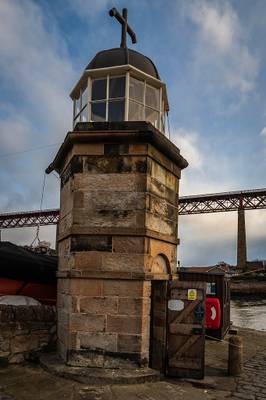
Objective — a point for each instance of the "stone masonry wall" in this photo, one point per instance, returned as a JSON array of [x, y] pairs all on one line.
[[117, 233], [104, 323], [25, 331]]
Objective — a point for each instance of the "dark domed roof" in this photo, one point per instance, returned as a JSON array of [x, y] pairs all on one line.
[[123, 56]]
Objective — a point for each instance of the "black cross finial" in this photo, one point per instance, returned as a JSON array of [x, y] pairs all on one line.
[[122, 19]]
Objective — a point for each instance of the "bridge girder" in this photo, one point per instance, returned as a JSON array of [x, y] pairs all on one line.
[[188, 205]]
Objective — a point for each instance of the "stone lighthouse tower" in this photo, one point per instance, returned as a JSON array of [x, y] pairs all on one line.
[[117, 233]]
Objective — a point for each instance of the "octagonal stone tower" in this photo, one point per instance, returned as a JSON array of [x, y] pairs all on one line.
[[117, 232]]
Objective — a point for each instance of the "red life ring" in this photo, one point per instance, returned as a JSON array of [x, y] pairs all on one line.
[[213, 313]]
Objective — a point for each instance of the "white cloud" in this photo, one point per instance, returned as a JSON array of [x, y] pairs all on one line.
[[36, 77], [218, 24], [222, 56], [207, 171], [263, 132], [188, 143], [209, 238], [35, 64]]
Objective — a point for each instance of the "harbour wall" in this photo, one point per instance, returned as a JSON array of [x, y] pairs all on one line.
[[26, 331], [241, 288]]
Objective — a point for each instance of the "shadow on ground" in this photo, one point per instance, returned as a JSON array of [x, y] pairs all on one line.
[[31, 382]]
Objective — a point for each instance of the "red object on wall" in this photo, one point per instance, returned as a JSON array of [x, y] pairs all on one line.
[[44, 293], [213, 313]]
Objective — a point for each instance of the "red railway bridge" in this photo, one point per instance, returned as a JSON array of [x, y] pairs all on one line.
[[197, 204]]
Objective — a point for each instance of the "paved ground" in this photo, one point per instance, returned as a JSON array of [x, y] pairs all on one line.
[[252, 383], [32, 383]]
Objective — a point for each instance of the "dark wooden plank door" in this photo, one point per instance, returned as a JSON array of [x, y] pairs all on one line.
[[186, 329], [158, 325]]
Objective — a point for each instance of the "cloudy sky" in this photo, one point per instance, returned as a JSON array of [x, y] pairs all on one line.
[[212, 56]]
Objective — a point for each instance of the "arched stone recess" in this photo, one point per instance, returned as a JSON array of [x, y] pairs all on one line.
[[160, 265]]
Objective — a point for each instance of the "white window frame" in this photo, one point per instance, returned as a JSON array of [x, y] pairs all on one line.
[[76, 118], [143, 104], [107, 99], [127, 75]]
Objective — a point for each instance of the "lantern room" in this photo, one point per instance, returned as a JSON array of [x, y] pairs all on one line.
[[120, 84]]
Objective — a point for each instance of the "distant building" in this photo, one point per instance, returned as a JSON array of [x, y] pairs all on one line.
[[221, 267]]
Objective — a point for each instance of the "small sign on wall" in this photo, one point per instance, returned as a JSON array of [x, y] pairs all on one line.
[[176, 305], [192, 294]]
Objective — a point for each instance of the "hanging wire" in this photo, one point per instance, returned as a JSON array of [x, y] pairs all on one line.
[[168, 125], [41, 203], [29, 150], [222, 340]]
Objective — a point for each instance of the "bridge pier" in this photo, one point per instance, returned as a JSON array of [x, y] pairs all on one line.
[[241, 240]]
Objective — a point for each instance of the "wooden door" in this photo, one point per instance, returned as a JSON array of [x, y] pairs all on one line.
[[158, 325], [186, 329]]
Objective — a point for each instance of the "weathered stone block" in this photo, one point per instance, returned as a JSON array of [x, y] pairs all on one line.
[[98, 305], [108, 218], [114, 165], [125, 288], [138, 148], [74, 341], [122, 262], [87, 322], [66, 199], [65, 224], [65, 263], [63, 285], [21, 344], [63, 316], [159, 189], [162, 208], [161, 225], [160, 265], [86, 287], [129, 343], [158, 247], [163, 176], [117, 200], [91, 243], [132, 306], [119, 182], [63, 333], [129, 245], [160, 158], [78, 199], [133, 343], [65, 302], [81, 149], [124, 324], [87, 260], [104, 341]]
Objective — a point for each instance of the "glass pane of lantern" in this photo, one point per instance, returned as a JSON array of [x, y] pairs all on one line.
[[84, 115], [152, 116], [116, 111], [84, 97], [117, 87], [77, 106], [98, 89], [135, 111], [162, 122], [136, 89], [152, 97], [98, 111], [77, 119]]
